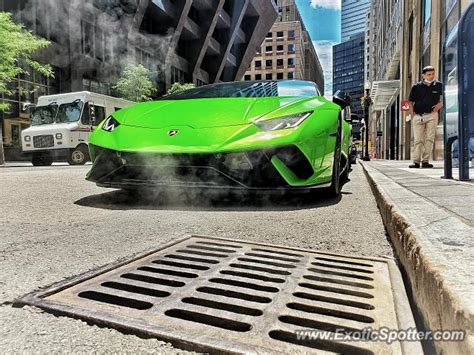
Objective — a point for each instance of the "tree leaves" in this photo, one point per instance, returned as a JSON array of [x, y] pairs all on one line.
[[17, 46], [134, 84]]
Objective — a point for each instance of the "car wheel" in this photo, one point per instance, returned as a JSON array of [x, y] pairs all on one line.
[[42, 160], [78, 156], [334, 189]]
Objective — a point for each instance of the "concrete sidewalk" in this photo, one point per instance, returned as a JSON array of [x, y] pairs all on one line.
[[430, 222]]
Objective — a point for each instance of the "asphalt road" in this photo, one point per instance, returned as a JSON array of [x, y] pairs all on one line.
[[54, 224]]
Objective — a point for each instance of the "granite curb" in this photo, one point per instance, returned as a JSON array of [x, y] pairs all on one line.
[[436, 251]]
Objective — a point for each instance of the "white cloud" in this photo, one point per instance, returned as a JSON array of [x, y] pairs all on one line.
[[324, 50], [328, 4]]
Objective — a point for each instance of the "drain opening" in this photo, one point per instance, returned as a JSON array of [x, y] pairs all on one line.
[[190, 258], [337, 281], [343, 268], [244, 284], [318, 344], [330, 312], [135, 289], [153, 280], [195, 252], [278, 252], [223, 306], [313, 324], [313, 297], [258, 268], [250, 260], [330, 272], [234, 294], [168, 272], [249, 275], [116, 300], [184, 266], [343, 261], [209, 320], [218, 244], [202, 247], [272, 257], [336, 290]]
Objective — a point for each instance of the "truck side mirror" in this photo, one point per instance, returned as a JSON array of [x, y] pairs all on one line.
[[92, 115]]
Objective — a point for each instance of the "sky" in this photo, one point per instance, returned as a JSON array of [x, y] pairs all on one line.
[[322, 19]]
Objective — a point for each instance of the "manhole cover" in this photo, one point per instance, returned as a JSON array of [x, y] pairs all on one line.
[[218, 295]]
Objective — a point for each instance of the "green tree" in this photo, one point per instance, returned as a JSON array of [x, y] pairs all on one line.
[[17, 46], [177, 87], [135, 84]]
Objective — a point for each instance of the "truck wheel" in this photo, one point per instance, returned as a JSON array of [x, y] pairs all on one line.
[[78, 156], [42, 160]]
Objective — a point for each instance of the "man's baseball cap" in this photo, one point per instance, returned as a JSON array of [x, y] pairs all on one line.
[[427, 69]]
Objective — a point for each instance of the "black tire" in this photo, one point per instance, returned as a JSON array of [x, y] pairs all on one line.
[[334, 190], [41, 159], [78, 156]]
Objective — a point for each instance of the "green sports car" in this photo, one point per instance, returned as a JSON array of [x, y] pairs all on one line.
[[278, 135]]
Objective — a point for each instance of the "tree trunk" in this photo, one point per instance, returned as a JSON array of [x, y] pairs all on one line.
[[2, 156]]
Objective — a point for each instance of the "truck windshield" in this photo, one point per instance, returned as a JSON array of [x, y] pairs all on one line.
[[64, 113], [43, 114], [69, 112]]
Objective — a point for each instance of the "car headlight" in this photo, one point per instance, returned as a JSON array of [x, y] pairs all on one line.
[[27, 139], [110, 124], [285, 122], [59, 136]]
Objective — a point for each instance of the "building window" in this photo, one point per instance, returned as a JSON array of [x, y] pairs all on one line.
[[247, 77], [427, 11], [268, 48], [144, 58], [291, 34], [258, 76], [280, 47], [279, 62], [268, 76], [280, 34], [291, 61], [269, 35], [290, 75], [269, 63], [291, 48], [279, 76], [258, 64]]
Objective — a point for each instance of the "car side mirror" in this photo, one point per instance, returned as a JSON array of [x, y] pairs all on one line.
[[342, 99], [355, 119]]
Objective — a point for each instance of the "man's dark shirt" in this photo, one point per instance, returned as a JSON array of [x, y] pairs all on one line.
[[425, 97]]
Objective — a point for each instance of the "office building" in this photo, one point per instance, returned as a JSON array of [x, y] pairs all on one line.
[[353, 17]]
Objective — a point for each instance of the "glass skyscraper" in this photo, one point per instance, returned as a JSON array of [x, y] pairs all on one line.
[[348, 70], [353, 17]]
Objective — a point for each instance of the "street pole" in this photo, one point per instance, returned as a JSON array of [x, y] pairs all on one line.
[[366, 109]]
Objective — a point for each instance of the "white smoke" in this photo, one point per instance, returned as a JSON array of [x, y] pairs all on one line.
[[116, 35]]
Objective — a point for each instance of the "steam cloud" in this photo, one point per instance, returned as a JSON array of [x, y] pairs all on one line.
[[117, 24]]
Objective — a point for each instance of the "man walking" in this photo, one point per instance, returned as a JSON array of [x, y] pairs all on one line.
[[425, 103]]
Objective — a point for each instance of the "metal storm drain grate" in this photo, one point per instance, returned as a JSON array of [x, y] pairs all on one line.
[[218, 295]]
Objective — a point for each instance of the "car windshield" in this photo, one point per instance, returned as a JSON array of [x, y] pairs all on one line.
[[70, 112], [249, 89], [43, 114]]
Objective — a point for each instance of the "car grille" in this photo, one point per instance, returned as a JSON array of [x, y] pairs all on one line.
[[44, 141]]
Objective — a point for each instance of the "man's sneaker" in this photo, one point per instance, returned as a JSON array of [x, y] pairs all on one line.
[[414, 165], [426, 165]]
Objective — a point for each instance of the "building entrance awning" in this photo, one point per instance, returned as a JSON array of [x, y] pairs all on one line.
[[384, 93]]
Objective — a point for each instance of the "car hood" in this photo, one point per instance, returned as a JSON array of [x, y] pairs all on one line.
[[201, 113]]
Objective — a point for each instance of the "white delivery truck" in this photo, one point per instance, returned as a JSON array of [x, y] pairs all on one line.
[[61, 125]]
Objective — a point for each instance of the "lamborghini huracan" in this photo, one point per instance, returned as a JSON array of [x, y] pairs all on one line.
[[248, 135]]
